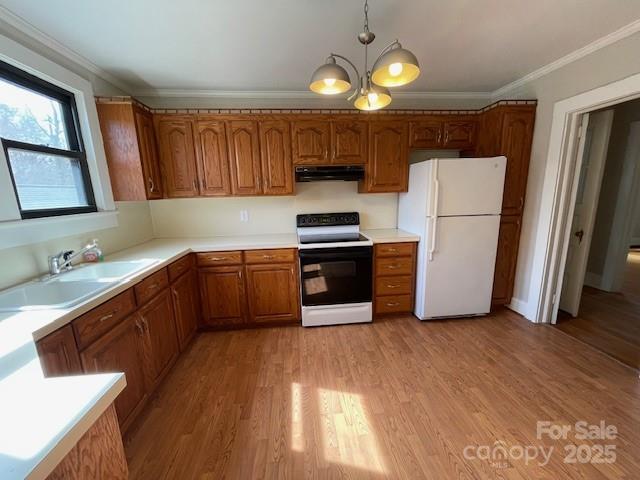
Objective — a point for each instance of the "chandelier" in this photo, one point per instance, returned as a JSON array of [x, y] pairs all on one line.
[[395, 66]]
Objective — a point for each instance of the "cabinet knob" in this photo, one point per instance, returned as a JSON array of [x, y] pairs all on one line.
[[152, 186], [392, 304]]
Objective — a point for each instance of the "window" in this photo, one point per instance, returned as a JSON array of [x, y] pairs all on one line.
[[43, 146]]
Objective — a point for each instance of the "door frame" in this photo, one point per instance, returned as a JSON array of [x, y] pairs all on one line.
[[556, 208]]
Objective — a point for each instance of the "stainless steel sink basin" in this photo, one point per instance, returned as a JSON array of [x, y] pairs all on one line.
[[69, 288], [51, 294]]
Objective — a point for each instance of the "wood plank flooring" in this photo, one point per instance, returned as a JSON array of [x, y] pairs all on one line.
[[608, 321], [397, 398]]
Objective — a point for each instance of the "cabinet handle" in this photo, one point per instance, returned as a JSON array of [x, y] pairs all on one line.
[[152, 186], [195, 184], [153, 286], [392, 304], [268, 257], [326, 152], [439, 137], [521, 202], [391, 285], [107, 317], [446, 137], [392, 249], [217, 259], [139, 327], [393, 267], [145, 325]]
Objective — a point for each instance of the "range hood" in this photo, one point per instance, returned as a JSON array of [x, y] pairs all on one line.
[[350, 173]]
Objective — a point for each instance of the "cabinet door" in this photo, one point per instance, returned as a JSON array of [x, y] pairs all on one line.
[[388, 167], [120, 350], [185, 307], [275, 157], [506, 259], [459, 134], [222, 295], [162, 341], [311, 142], [58, 353], [213, 162], [517, 134], [273, 292], [177, 157], [148, 154], [425, 134], [244, 157], [348, 142]]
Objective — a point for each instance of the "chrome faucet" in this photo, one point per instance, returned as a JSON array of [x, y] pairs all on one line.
[[62, 261]]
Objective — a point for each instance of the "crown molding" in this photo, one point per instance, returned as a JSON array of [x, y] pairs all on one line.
[[31, 31], [293, 94], [613, 37]]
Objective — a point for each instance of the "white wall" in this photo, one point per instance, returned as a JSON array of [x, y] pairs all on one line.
[[614, 62], [201, 217], [23, 263]]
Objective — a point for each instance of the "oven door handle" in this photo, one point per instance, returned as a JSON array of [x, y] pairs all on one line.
[[333, 256]]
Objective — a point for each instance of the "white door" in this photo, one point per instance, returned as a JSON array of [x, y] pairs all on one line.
[[468, 186], [459, 272], [592, 148]]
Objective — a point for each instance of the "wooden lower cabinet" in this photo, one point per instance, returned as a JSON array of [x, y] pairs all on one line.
[[161, 349], [98, 454], [58, 353], [121, 350], [272, 292], [222, 295], [185, 307], [506, 259], [394, 277]]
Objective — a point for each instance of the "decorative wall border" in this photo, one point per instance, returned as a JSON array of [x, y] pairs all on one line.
[[301, 111]]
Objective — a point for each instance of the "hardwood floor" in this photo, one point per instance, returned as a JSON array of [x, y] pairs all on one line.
[[608, 321], [397, 398]]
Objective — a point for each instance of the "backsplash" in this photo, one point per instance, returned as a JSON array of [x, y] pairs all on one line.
[[23, 263], [200, 217]]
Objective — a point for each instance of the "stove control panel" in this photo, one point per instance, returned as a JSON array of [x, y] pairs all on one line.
[[327, 219]]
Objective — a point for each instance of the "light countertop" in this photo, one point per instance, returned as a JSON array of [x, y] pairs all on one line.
[[41, 418]]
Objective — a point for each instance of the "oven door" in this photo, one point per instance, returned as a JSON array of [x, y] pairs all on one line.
[[333, 276]]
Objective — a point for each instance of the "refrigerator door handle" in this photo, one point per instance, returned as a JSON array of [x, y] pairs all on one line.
[[434, 217]]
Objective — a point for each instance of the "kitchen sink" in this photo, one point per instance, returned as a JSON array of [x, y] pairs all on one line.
[[69, 288], [104, 272], [52, 294]]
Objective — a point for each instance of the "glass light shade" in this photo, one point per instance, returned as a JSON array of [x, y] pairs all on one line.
[[330, 79], [373, 99], [395, 68]]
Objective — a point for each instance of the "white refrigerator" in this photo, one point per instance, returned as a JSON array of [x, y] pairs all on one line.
[[454, 205]]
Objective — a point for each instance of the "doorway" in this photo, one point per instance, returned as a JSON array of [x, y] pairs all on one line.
[[600, 295]]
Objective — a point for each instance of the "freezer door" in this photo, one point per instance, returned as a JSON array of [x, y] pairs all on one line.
[[469, 186], [457, 278]]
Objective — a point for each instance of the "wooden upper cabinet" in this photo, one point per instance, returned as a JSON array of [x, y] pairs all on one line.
[[148, 153], [222, 295], [130, 148], [348, 142], [459, 134], [272, 292], [162, 341], [58, 353], [310, 142], [275, 157], [517, 134], [244, 157], [177, 156], [121, 350], [388, 164], [425, 134], [213, 161]]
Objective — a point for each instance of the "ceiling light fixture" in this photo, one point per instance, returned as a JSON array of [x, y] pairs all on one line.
[[395, 66]]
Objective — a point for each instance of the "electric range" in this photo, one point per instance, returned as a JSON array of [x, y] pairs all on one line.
[[335, 269]]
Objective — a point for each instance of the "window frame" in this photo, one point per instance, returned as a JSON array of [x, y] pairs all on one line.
[[76, 150]]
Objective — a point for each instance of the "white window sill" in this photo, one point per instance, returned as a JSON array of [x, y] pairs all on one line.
[[16, 233]]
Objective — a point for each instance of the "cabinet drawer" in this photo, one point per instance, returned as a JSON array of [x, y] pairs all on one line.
[[103, 318], [398, 285], [219, 258], [180, 266], [393, 304], [286, 255], [151, 286], [394, 266], [394, 249]]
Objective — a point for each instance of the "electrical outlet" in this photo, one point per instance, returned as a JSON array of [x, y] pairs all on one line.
[[244, 215]]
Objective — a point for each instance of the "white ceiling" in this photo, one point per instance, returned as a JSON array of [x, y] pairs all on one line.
[[274, 45]]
